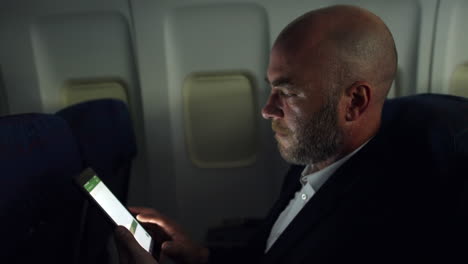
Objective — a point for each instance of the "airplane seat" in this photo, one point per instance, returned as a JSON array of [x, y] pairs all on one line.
[[40, 207], [430, 133], [439, 122], [107, 143], [106, 140]]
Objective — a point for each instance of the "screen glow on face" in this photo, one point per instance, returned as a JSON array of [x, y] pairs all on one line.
[[117, 211]]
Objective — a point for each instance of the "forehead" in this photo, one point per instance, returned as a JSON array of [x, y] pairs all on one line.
[[280, 64], [299, 64]]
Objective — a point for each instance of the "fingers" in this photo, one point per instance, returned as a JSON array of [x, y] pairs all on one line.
[[175, 243], [149, 215], [142, 210], [158, 219]]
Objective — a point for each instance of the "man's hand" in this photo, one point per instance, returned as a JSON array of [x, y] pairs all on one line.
[[180, 247], [130, 252]]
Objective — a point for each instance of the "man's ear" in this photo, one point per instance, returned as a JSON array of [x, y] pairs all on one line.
[[359, 95]]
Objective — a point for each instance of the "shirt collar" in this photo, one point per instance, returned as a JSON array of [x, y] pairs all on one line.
[[316, 178]]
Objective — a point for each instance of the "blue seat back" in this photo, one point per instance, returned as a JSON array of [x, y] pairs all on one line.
[[106, 140], [107, 143], [430, 133], [438, 124], [40, 207]]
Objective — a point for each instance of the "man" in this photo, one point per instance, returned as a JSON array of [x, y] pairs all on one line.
[[355, 194]]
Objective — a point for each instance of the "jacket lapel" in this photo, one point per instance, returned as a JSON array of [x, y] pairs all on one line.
[[320, 205], [290, 185]]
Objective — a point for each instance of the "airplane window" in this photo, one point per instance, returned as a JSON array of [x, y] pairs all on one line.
[[76, 92]]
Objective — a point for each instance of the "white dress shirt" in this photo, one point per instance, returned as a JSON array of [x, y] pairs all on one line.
[[311, 180]]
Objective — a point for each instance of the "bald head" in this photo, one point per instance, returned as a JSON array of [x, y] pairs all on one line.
[[330, 71], [352, 43]]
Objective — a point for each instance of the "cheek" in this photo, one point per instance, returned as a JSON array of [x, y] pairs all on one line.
[[293, 109], [294, 117], [299, 112]]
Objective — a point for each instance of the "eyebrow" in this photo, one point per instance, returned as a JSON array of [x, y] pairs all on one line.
[[283, 82]]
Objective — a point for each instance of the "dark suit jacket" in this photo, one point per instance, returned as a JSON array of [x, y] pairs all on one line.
[[402, 198]]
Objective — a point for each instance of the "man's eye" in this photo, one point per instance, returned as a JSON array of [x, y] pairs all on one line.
[[286, 94]]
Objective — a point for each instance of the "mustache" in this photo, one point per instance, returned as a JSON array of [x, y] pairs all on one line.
[[278, 128]]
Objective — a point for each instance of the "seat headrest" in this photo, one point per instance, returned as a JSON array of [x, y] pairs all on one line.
[[104, 130], [432, 122]]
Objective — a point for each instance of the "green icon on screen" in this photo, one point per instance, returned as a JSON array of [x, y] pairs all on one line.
[[133, 227]]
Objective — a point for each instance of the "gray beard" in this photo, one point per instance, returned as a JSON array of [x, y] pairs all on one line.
[[317, 139]]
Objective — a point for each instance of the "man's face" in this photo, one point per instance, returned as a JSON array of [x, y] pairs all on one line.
[[302, 109]]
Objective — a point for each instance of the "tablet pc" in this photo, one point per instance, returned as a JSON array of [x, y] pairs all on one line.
[[95, 189]]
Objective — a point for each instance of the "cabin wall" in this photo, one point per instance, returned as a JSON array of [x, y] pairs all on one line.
[[152, 49], [50, 47]]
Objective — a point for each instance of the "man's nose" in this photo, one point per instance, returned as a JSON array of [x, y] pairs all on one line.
[[272, 108]]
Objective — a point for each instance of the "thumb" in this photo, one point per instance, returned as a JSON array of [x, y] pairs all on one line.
[[126, 240]]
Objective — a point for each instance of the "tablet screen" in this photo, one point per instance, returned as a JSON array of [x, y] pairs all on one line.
[[117, 212]]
